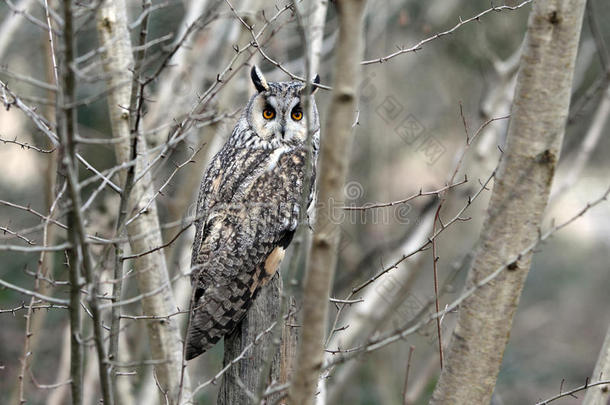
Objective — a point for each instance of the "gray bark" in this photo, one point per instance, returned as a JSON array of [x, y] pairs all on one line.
[[336, 140], [517, 204], [600, 395], [241, 381], [150, 269]]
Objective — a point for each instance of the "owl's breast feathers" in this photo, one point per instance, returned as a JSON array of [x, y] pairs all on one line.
[[248, 210]]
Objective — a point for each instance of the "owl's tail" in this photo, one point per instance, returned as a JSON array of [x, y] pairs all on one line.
[[214, 314]]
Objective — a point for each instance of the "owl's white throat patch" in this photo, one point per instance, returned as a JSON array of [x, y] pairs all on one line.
[[275, 157]]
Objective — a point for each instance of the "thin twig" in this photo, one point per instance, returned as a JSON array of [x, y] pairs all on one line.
[[33, 293], [571, 392], [435, 273], [25, 145], [342, 356], [404, 389], [421, 193], [236, 360], [419, 45]]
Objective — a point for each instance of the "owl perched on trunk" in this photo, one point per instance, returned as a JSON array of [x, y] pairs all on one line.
[[248, 208]]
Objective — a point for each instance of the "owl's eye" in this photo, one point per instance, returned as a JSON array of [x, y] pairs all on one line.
[[268, 113], [297, 115]]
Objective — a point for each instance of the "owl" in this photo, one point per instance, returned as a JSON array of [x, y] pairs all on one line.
[[248, 208]]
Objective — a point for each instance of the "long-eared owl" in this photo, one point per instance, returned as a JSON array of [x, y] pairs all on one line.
[[248, 208]]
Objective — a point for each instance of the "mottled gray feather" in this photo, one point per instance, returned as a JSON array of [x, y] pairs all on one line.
[[248, 209]]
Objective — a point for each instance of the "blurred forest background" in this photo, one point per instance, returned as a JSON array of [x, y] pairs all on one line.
[[409, 135]]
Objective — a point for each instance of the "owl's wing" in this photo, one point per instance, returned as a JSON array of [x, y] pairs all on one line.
[[242, 240]]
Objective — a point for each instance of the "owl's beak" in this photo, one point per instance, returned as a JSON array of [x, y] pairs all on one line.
[[282, 129]]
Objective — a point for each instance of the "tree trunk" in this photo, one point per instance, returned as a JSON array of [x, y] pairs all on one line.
[[150, 269], [335, 145], [517, 205], [600, 395], [242, 380]]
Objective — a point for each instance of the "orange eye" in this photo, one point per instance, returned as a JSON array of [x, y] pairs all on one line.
[[268, 113], [297, 115]]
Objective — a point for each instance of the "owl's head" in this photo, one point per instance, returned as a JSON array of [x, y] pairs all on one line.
[[276, 113]]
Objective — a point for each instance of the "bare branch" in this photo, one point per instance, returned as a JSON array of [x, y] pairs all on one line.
[[80, 257], [25, 145], [341, 356], [406, 200], [33, 293], [462, 22], [573, 391]]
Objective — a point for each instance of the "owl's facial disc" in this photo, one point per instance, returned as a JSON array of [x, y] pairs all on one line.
[[281, 119]]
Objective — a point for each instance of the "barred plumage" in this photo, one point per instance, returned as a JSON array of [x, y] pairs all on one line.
[[248, 209]]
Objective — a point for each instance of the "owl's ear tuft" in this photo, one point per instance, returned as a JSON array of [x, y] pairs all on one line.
[[258, 79], [316, 80]]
